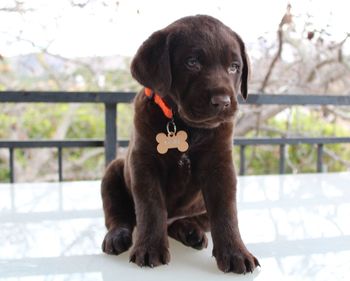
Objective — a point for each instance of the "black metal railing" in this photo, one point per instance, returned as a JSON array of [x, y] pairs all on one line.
[[110, 142]]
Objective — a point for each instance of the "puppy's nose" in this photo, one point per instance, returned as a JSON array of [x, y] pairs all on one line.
[[221, 102]]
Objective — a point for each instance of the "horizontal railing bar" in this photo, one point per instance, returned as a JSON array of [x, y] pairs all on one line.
[[123, 143], [290, 140], [50, 143], [56, 143], [67, 97], [295, 99], [126, 97]]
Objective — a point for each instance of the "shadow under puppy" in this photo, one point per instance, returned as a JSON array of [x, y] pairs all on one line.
[[178, 177]]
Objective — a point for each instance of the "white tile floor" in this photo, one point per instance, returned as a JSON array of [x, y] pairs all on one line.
[[297, 225]]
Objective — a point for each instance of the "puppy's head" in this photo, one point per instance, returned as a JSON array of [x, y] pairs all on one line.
[[200, 64]]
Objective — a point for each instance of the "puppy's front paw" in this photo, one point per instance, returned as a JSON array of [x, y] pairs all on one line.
[[235, 259], [190, 234], [117, 241], [195, 238], [150, 255]]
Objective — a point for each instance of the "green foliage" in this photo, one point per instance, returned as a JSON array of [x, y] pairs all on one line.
[[92, 166], [125, 121], [4, 171], [6, 122], [40, 121], [86, 121], [298, 121]]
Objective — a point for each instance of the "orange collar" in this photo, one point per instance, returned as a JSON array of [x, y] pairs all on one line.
[[160, 102]]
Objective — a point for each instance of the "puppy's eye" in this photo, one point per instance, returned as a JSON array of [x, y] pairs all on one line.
[[193, 63], [233, 68]]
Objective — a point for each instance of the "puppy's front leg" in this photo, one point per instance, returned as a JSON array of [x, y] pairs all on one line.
[[219, 192], [151, 246]]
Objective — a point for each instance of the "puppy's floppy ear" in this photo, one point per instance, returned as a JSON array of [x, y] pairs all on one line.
[[245, 75], [151, 64], [245, 70]]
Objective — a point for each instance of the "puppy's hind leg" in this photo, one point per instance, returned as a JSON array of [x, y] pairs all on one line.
[[118, 209], [191, 231]]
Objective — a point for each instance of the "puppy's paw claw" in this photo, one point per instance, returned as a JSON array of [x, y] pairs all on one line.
[[237, 261], [150, 256]]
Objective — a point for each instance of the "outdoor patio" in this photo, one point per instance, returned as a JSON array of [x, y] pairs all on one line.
[[68, 76], [297, 225]]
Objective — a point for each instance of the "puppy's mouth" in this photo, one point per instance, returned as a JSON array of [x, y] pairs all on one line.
[[205, 122]]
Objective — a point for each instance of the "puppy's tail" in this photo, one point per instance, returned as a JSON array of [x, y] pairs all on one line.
[[118, 205]]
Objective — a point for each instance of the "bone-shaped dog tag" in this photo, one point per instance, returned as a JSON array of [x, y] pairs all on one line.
[[172, 140]]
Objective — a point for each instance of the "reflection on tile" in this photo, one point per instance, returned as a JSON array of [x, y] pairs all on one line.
[[296, 224]]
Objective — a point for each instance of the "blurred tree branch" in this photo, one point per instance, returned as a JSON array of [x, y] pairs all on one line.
[[286, 20], [17, 7], [79, 3]]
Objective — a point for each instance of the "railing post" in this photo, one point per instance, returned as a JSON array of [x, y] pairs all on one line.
[[60, 170], [242, 160], [12, 165], [320, 157], [110, 132], [282, 159]]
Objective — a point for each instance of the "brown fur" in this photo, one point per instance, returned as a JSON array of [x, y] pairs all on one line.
[[183, 195]]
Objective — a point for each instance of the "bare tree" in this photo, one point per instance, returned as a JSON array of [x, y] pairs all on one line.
[[316, 65]]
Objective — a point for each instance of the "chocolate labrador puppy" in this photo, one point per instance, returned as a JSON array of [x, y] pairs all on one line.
[[178, 177]]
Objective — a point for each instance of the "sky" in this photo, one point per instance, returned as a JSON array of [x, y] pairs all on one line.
[[111, 27]]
